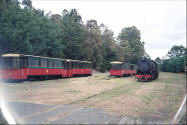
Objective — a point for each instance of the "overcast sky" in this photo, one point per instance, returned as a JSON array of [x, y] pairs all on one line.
[[162, 23]]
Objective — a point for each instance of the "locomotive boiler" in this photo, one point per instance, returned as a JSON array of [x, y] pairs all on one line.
[[147, 70]]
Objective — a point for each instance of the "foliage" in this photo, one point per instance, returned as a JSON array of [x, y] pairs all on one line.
[[26, 30], [175, 61], [130, 39]]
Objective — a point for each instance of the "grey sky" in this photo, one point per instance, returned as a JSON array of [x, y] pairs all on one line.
[[162, 23]]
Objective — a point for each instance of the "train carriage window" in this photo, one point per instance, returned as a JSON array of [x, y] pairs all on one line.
[[83, 65], [43, 63], [74, 65], [63, 65], [7, 63], [86, 66], [11, 63], [78, 65], [33, 62], [117, 66], [36, 63], [24, 62], [54, 63], [16, 63], [59, 64], [29, 62], [50, 63]]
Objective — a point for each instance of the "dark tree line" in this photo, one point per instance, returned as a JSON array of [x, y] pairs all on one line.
[[174, 61], [26, 30]]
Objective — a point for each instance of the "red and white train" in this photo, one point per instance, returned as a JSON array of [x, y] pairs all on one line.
[[120, 69], [22, 67]]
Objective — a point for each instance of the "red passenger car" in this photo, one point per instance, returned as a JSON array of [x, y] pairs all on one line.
[[122, 69], [23, 67]]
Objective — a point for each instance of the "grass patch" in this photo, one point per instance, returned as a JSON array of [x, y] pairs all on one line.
[[71, 92]]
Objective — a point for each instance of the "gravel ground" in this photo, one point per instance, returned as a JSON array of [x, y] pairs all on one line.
[[29, 113]]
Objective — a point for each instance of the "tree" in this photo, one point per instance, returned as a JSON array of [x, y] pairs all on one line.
[[158, 60], [27, 4], [176, 51], [73, 34], [176, 60], [2, 5], [30, 31], [24, 31], [130, 39]]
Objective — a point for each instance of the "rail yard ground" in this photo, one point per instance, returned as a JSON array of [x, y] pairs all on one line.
[[155, 100]]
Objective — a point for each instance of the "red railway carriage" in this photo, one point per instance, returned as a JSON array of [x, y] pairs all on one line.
[[22, 67], [116, 69], [81, 68], [122, 69]]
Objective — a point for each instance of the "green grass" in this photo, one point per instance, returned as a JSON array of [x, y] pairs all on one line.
[[126, 89], [171, 78]]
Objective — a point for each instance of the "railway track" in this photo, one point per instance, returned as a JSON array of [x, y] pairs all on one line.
[[101, 93]]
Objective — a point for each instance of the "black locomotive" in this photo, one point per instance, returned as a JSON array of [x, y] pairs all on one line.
[[147, 70]]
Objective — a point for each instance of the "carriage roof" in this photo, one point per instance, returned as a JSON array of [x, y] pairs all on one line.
[[116, 62], [80, 61], [23, 55]]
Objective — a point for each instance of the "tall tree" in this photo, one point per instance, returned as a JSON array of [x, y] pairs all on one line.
[[130, 39], [73, 34]]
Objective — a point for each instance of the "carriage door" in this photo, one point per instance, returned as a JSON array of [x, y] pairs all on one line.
[[69, 69]]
